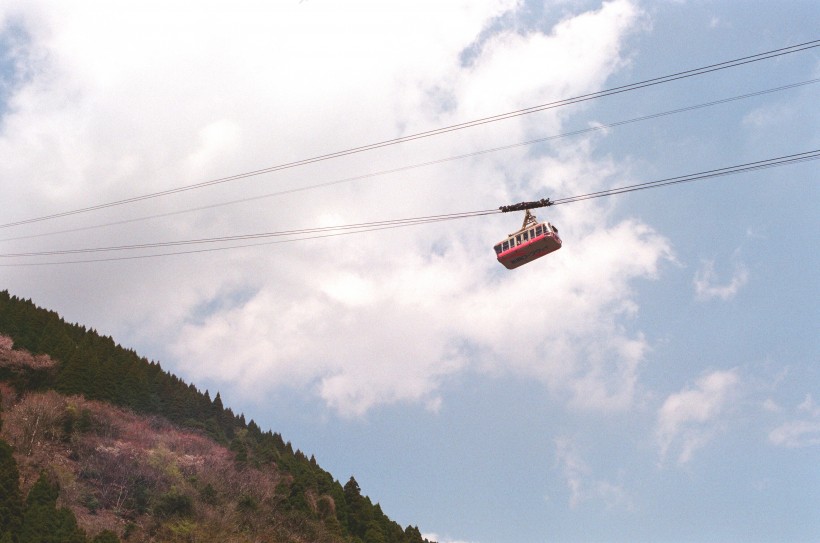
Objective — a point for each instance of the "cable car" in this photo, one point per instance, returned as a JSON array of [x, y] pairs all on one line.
[[534, 240]]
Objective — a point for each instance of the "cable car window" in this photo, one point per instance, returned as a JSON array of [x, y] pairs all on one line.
[[518, 239], [526, 236], [532, 233], [506, 246], [538, 230], [497, 249]]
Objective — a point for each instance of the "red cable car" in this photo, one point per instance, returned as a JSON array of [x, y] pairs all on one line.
[[532, 241]]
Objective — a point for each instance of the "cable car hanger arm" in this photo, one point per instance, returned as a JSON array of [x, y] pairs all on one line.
[[521, 206]]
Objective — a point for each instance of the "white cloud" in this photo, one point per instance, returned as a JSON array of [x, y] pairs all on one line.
[[708, 288], [359, 321], [796, 433], [771, 406], [520, 67], [801, 432], [809, 407], [688, 419], [583, 486]]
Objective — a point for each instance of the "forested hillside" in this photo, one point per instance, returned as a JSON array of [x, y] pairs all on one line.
[[99, 444]]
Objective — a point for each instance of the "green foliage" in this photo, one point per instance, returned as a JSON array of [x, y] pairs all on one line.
[[247, 504], [106, 536], [240, 451], [97, 368], [91, 503], [182, 530], [43, 522], [43, 493], [374, 533], [139, 499], [129, 530], [11, 507], [74, 421], [174, 504], [208, 495], [358, 510]]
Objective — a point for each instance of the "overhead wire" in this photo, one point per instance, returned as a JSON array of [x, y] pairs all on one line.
[[729, 170], [331, 231], [438, 131], [243, 237], [205, 250], [325, 184]]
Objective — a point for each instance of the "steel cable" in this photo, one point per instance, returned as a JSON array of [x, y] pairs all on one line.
[[333, 231], [438, 131]]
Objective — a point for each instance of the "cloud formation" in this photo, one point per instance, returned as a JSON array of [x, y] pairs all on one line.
[[802, 431], [708, 288], [687, 420], [359, 321], [582, 484]]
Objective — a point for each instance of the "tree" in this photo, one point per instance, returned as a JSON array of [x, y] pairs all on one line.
[[359, 508], [174, 504], [240, 451], [218, 407], [106, 536], [43, 522], [352, 490], [413, 535], [374, 533], [11, 507]]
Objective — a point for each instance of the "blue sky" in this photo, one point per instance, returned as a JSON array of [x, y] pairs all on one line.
[[654, 380]]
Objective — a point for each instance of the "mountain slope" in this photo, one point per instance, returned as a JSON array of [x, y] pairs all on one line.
[[134, 451]]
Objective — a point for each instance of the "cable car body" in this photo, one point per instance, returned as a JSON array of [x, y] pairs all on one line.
[[534, 240]]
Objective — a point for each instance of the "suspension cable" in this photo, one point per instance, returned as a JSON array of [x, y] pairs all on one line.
[[332, 231], [325, 184], [438, 131], [730, 170]]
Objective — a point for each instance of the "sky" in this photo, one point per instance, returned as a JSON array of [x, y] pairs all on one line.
[[656, 379]]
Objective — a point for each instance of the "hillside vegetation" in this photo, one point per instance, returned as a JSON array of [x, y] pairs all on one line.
[[98, 444]]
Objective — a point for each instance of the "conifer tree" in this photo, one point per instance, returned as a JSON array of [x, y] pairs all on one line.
[[240, 450], [43, 522], [11, 507], [358, 507]]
